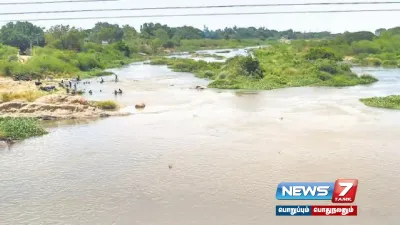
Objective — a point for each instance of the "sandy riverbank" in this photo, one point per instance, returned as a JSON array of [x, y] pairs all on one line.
[[24, 99]]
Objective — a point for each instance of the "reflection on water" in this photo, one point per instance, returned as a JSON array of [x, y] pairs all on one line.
[[229, 150]]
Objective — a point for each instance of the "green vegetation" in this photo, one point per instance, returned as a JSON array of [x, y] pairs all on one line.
[[366, 48], [106, 105], [90, 61], [388, 102], [277, 66], [20, 128], [64, 51]]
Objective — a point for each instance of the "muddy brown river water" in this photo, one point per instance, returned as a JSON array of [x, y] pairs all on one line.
[[228, 152]]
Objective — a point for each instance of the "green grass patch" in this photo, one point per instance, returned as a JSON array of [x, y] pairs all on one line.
[[20, 128], [388, 102], [106, 105]]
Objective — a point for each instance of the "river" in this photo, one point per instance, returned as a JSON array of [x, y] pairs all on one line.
[[228, 151]]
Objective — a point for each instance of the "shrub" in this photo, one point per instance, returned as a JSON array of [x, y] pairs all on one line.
[[209, 74], [20, 128], [13, 58], [106, 105], [86, 62], [321, 53], [368, 79]]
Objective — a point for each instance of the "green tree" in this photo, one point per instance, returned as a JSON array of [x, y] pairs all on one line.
[[162, 35], [130, 33], [106, 32], [22, 35]]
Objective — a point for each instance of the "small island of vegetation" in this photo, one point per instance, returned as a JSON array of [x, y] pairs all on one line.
[[277, 66], [388, 102], [19, 128]]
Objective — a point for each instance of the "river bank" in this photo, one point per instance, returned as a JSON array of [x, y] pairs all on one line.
[[23, 104]]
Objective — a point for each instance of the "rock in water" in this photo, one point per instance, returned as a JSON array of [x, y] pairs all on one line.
[[140, 105], [200, 88]]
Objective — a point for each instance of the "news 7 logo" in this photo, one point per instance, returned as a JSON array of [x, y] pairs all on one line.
[[340, 191], [345, 191]]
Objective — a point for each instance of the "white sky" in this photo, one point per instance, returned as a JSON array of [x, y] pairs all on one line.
[[337, 22]]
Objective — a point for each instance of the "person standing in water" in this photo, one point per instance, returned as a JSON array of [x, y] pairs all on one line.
[[116, 77]]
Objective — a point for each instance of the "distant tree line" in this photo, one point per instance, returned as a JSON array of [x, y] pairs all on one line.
[[25, 34], [155, 35]]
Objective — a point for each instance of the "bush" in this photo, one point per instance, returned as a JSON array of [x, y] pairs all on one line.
[[321, 53], [368, 79], [328, 67], [209, 74], [13, 58], [20, 128], [106, 105], [324, 76], [86, 62]]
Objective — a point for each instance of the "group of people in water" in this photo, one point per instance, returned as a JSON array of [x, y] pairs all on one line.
[[68, 85]]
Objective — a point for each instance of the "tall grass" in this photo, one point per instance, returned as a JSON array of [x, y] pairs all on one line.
[[105, 105], [29, 96], [20, 128]]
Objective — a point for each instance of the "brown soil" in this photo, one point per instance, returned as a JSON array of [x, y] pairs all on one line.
[[54, 107]]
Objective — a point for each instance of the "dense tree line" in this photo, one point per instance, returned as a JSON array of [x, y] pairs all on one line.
[[152, 38], [25, 34]]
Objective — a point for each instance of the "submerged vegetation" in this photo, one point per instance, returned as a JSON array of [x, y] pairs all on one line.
[[273, 67], [388, 102], [20, 128]]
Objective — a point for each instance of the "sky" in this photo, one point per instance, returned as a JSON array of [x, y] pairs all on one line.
[[334, 22]]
